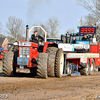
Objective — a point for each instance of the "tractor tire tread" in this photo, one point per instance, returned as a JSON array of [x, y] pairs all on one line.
[[8, 64], [42, 65], [51, 60]]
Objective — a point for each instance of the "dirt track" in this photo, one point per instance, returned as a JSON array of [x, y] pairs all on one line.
[[65, 88]]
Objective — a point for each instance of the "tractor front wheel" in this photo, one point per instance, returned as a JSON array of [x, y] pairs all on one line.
[[42, 70], [8, 69]]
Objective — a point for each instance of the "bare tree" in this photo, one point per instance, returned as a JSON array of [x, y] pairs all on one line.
[[93, 6], [53, 26], [15, 27], [45, 28], [20, 37], [89, 20]]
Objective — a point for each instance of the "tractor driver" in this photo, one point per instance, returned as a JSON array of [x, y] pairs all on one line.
[[85, 38], [74, 40], [35, 37]]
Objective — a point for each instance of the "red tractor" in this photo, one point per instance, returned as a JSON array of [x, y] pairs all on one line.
[[44, 60]]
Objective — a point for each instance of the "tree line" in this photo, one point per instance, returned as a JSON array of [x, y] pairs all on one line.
[[15, 28]]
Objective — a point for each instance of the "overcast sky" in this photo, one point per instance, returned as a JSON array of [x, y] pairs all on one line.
[[39, 11]]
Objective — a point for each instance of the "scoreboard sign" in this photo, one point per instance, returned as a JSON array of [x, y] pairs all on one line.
[[87, 30]]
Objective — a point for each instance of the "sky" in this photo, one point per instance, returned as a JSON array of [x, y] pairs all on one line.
[[39, 11]]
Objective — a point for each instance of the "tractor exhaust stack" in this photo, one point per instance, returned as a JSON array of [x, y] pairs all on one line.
[[27, 33]]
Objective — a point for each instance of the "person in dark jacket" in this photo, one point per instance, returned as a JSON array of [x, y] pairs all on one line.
[[85, 38], [35, 37], [74, 40]]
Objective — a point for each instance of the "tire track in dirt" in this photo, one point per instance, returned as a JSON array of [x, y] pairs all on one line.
[[28, 88]]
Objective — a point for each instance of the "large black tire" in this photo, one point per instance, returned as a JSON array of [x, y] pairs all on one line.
[[59, 63], [85, 71], [68, 68], [42, 70], [91, 69], [14, 49], [51, 60], [8, 64]]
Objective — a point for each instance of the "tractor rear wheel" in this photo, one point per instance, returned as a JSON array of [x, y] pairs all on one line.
[[59, 63], [51, 60], [8, 64], [91, 70], [42, 70], [85, 71]]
